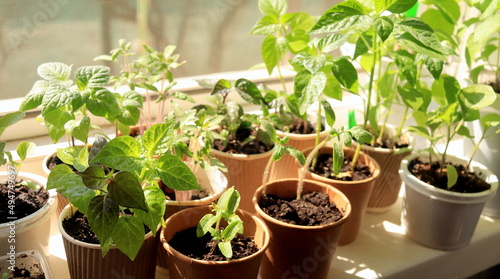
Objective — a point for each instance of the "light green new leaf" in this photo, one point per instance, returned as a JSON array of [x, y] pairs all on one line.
[[103, 103], [121, 153], [484, 30], [452, 175], [229, 202], [205, 225], [338, 157], [445, 90], [346, 74], [273, 7], [126, 190], [24, 149], [128, 235], [102, 216], [273, 50], [55, 121], [311, 86], [34, 98], [54, 70], [92, 76], [384, 27], [78, 128], [10, 119], [478, 96], [57, 96], [176, 174], [490, 121], [267, 25], [156, 202], [158, 136], [226, 249], [69, 154]]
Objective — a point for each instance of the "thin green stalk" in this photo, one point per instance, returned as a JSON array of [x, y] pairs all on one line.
[[399, 131], [305, 168], [476, 148], [356, 156], [318, 133], [370, 83]]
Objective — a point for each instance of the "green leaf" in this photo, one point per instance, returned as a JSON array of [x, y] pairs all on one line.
[[103, 103], [273, 50], [398, 6], [445, 90], [273, 7], [92, 76], [71, 186], [156, 202], [478, 96], [338, 157], [226, 249], [329, 112], [55, 121], [411, 97], [412, 43], [232, 230], [452, 175], [332, 88], [296, 154], [176, 174], [464, 131], [346, 74], [34, 98], [121, 153], [54, 70], [93, 177], [267, 25], [360, 135], [126, 190], [434, 66], [128, 235], [205, 225], [78, 128], [278, 153], [384, 27], [332, 42], [25, 149], [249, 91], [229, 202], [68, 154], [158, 136], [57, 96], [484, 30], [424, 38], [102, 216], [341, 17], [222, 86], [10, 119], [309, 86], [490, 120]]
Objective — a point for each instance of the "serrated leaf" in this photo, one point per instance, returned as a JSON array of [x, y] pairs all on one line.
[[176, 174], [121, 153], [54, 70], [93, 177], [126, 190], [156, 202], [128, 235], [102, 216]]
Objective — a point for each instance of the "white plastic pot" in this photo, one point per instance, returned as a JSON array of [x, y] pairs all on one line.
[[33, 231], [441, 219], [33, 261]]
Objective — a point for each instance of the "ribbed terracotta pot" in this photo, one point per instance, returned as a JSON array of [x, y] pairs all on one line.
[[442, 219], [358, 192], [215, 182], [300, 251], [387, 187], [85, 260], [245, 173], [33, 231], [182, 266]]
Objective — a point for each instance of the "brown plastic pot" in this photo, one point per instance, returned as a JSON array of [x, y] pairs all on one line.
[[85, 260], [358, 192], [300, 251], [182, 266], [245, 173]]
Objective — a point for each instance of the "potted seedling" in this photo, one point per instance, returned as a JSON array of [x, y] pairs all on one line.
[[449, 191], [286, 35], [25, 203], [241, 143], [150, 74], [218, 241], [115, 186], [392, 49]]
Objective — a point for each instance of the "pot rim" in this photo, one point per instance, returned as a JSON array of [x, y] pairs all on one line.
[[242, 156], [65, 214], [455, 197], [405, 133], [375, 174], [262, 214], [42, 182], [176, 253]]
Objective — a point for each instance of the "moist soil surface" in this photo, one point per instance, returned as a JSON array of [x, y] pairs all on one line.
[[77, 226], [203, 248], [234, 144], [468, 182], [33, 270], [26, 201], [301, 127], [324, 168], [313, 209], [387, 141]]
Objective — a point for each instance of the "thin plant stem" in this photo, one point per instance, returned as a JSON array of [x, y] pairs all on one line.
[[305, 168], [318, 134]]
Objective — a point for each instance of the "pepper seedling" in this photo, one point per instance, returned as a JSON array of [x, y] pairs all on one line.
[[225, 209]]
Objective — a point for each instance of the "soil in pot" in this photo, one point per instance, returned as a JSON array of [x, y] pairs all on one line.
[[34, 270], [234, 144], [300, 127], [387, 141], [433, 174], [203, 248], [324, 168], [170, 194], [78, 227], [312, 209], [26, 200]]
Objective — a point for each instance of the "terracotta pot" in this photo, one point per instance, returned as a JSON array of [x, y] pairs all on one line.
[[300, 251], [285, 168], [33, 231], [358, 192], [85, 260], [442, 219], [182, 266], [214, 182], [245, 173], [387, 187]]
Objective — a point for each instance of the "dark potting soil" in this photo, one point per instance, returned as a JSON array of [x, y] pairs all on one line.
[[301, 127], [78, 227], [468, 182], [324, 168], [25, 201], [170, 194], [313, 209], [234, 144], [54, 161], [203, 248], [33, 270]]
